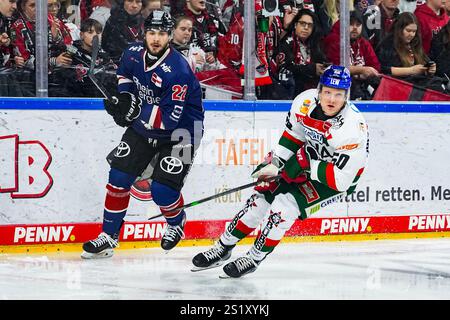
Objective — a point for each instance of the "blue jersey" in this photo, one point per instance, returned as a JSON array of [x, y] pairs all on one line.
[[170, 92]]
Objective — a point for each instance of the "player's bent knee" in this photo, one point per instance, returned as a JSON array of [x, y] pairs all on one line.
[[121, 179], [163, 195]]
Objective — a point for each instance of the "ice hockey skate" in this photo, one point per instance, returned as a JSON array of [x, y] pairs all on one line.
[[212, 258], [102, 247], [239, 267], [173, 235]]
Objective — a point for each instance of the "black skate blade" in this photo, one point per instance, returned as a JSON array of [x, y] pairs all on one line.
[[215, 265], [108, 253], [197, 269], [224, 276]]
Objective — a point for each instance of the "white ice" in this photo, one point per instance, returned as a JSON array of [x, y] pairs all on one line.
[[381, 269]]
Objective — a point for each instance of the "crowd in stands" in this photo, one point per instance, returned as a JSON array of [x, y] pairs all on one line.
[[407, 39]]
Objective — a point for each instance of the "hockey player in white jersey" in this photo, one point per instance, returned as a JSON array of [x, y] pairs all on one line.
[[320, 157]]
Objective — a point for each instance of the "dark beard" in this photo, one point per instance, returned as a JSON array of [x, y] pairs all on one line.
[[151, 59]]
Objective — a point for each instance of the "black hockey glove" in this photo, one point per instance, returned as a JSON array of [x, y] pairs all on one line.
[[126, 110]]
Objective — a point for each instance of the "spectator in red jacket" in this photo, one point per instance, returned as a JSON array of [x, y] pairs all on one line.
[[231, 43], [432, 17], [364, 65]]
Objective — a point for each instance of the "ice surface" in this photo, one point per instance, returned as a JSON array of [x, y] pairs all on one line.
[[382, 269]]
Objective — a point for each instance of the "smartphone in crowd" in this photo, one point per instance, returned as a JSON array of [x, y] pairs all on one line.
[[429, 64]]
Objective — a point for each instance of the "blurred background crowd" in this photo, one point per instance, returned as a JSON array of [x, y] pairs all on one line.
[[295, 40]]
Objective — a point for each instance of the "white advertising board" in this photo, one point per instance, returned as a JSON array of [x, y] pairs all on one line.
[[53, 167]]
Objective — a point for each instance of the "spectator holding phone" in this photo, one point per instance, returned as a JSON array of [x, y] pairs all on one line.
[[401, 53]]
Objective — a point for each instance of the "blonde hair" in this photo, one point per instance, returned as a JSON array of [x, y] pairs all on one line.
[[331, 8]]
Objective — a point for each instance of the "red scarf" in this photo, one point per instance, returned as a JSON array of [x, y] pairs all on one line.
[[302, 52]]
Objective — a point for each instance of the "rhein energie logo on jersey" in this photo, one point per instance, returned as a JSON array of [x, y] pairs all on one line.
[[145, 93]]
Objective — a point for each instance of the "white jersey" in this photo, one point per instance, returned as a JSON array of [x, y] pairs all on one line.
[[341, 142]]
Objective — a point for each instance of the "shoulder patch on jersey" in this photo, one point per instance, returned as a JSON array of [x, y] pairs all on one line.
[[305, 106], [136, 48], [303, 111]]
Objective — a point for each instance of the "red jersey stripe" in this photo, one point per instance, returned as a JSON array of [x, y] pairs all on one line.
[[331, 181], [291, 138]]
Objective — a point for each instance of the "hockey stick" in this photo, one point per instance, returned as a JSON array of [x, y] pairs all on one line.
[[194, 203], [100, 87]]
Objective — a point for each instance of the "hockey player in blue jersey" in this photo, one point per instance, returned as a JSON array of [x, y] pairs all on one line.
[[160, 104]]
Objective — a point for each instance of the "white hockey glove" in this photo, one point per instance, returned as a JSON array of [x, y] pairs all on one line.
[[268, 169], [266, 172]]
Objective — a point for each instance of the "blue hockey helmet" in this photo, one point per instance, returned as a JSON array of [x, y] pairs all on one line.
[[159, 20], [337, 77]]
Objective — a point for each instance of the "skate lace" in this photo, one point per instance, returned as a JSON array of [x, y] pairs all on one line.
[[105, 238], [244, 263], [172, 232], [214, 252]]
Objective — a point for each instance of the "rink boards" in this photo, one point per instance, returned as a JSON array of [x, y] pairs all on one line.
[[53, 173], [67, 237]]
